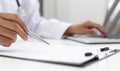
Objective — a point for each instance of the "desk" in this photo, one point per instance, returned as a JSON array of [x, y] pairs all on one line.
[[110, 64]]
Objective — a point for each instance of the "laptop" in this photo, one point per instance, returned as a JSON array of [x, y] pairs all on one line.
[[111, 24]]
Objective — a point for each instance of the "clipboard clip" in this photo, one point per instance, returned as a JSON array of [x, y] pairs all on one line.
[[102, 54]]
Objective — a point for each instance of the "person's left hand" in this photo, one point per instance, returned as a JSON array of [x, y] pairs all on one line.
[[85, 28]]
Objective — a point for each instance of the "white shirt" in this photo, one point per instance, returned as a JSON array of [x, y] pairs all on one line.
[[51, 28]]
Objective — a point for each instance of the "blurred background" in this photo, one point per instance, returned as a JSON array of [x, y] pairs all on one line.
[[74, 10]]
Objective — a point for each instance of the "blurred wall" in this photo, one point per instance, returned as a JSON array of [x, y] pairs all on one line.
[[75, 10]]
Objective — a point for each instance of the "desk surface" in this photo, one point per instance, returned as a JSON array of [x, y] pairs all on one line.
[[109, 64]]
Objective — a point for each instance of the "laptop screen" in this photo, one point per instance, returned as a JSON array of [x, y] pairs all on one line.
[[112, 18]]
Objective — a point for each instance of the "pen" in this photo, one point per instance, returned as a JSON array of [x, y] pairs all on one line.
[[31, 34]]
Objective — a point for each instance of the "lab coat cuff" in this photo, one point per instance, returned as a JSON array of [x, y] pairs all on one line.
[[64, 27]]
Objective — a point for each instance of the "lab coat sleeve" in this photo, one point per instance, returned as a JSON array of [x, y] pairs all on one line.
[[51, 28]]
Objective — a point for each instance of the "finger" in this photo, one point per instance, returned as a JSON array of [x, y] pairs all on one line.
[[98, 27], [8, 33], [89, 31], [15, 18], [14, 27], [5, 41]]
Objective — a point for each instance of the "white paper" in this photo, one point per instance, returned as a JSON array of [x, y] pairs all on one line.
[[41, 51]]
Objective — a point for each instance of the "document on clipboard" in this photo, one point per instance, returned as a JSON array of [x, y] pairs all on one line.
[[36, 51]]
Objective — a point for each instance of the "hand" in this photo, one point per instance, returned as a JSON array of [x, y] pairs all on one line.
[[85, 28], [10, 26]]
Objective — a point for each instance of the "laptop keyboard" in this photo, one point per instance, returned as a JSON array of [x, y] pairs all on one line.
[[108, 37], [95, 39]]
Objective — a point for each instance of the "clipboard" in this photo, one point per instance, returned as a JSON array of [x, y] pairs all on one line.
[[60, 55]]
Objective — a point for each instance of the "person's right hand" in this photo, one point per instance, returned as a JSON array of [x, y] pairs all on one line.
[[10, 26], [86, 28]]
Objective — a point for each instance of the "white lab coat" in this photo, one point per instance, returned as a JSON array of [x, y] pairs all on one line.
[[51, 28]]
